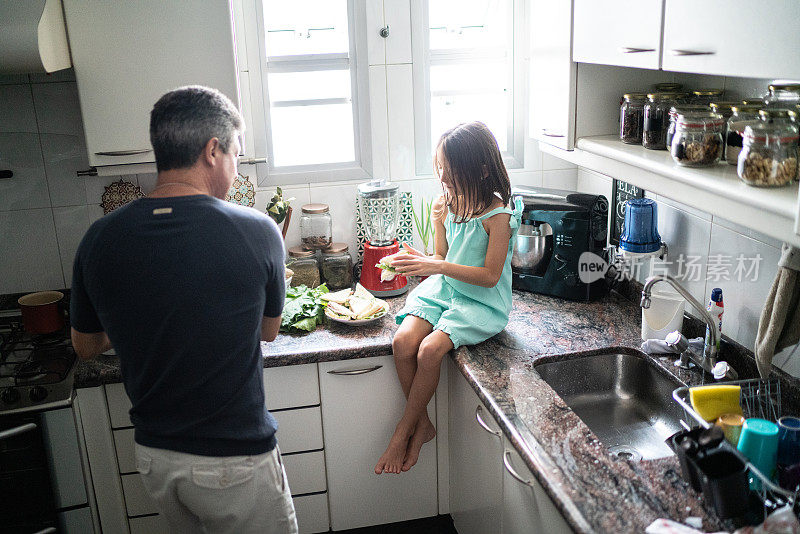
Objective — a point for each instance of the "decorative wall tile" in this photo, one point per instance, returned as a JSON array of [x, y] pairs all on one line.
[[242, 192], [22, 154], [118, 194]]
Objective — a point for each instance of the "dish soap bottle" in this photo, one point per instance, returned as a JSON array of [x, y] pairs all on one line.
[[715, 308]]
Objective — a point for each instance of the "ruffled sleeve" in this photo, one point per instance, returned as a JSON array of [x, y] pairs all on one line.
[[516, 213]]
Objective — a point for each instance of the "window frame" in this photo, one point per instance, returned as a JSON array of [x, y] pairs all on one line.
[[259, 101], [514, 156]]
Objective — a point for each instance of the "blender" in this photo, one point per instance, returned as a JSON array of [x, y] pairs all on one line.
[[379, 202]]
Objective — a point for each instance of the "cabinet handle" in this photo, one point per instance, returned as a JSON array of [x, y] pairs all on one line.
[[349, 372], [251, 161], [124, 152], [544, 132], [479, 419], [16, 431], [6, 173], [690, 53], [507, 463], [632, 50], [91, 171]]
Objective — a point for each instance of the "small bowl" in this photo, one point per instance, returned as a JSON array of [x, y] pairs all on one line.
[[288, 277]]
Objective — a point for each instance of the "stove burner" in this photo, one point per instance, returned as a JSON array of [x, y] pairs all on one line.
[[43, 371]]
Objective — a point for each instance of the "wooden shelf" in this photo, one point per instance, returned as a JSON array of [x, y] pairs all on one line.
[[716, 190]]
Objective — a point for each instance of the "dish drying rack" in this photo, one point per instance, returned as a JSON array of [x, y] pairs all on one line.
[[759, 398]]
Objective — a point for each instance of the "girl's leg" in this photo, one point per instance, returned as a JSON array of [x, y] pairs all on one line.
[[405, 346]]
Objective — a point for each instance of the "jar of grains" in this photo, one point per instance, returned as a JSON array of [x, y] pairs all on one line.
[[305, 267], [698, 139], [315, 226], [723, 108], [706, 96], [337, 266], [785, 95], [656, 117], [741, 116], [631, 118], [681, 109], [769, 155]]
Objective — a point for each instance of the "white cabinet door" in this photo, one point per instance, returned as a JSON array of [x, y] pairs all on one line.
[[733, 38], [618, 32], [359, 414], [127, 54], [527, 509], [475, 466], [551, 74]]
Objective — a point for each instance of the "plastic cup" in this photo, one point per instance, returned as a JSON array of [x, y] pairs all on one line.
[[759, 443], [731, 425], [788, 440]]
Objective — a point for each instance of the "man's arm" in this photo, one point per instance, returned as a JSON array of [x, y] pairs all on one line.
[[269, 328], [88, 346]]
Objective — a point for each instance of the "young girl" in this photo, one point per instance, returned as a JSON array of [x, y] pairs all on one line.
[[466, 298]]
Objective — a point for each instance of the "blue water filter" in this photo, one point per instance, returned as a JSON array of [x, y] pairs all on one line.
[[640, 228]]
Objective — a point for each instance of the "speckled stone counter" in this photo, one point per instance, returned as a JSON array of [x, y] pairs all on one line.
[[595, 491]]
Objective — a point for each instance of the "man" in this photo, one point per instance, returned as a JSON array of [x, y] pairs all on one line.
[[184, 286]]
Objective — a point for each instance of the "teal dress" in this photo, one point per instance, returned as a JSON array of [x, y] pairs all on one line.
[[467, 313]]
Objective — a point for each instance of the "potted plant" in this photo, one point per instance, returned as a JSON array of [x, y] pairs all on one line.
[[422, 220], [280, 210]]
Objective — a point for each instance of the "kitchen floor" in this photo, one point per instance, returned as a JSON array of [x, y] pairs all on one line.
[[441, 524]]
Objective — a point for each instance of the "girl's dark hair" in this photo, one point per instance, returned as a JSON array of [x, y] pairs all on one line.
[[475, 168]]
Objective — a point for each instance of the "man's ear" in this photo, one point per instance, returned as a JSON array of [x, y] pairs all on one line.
[[211, 151]]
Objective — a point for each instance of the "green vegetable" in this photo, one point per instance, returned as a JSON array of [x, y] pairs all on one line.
[[303, 309], [278, 206]]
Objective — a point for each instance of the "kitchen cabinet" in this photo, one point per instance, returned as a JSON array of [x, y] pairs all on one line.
[[552, 74], [361, 404], [735, 38], [127, 54], [475, 450], [526, 507], [618, 32]]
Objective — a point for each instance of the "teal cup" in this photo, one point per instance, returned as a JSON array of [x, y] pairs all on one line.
[[759, 443]]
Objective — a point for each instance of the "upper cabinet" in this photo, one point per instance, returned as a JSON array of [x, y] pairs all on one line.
[[733, 38], [127, 54], [626, 33]]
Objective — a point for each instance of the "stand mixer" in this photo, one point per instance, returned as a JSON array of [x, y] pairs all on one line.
[[379, 202]]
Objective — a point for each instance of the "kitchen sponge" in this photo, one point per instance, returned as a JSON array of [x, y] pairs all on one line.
[[712, 401]]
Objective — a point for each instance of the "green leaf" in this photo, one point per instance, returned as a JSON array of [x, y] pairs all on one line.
[[308, 324]]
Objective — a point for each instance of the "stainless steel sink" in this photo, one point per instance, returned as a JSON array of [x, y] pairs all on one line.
[[623, 397]]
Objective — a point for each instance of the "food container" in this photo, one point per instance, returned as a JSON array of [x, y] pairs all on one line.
[[769, 155], [668, 87], [774, 115], [656, 120], [724, 109], [741, 116], [786, 95], [316, 226], [41, 313], [305, 267], [706, 96], [631, 118], [677, 109], [337, 266], [698, 140]]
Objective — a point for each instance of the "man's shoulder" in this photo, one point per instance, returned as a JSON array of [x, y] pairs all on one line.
[[244, 214]]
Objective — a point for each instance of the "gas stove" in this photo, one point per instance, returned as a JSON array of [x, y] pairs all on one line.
[[36, 371]]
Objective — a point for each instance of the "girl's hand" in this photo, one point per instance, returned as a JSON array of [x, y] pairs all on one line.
[[411, 250], [417, 265]]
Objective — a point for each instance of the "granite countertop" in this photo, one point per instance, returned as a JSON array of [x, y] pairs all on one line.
[[595, 491]]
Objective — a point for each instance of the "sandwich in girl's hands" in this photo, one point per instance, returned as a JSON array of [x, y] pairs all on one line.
[[387, 271]]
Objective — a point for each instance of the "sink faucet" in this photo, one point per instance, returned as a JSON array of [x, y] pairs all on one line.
[[708, 359]]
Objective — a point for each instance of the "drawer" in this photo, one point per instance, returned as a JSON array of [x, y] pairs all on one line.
[[306, 472], [126, 455], [299, 430], [291, 386], [312, 513], [151, 524], [137, 501], [118, 405]]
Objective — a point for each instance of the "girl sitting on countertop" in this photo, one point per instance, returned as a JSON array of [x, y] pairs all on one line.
[[466, 298]]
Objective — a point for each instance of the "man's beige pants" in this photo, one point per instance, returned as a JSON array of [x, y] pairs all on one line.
[[236, 494]]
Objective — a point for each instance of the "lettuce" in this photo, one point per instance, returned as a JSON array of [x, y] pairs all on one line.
[[303, 309]]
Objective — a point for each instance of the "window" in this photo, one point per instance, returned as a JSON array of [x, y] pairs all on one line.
[[466, 69], [312, 86]]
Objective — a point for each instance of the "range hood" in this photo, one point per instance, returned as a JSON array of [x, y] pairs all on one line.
[[33, 37]]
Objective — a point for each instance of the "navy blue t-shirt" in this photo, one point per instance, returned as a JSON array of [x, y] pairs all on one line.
[[180, 286]]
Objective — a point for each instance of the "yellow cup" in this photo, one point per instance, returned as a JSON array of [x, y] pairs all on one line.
[[731, 424]]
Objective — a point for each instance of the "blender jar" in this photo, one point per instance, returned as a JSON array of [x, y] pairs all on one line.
[[379, 202]]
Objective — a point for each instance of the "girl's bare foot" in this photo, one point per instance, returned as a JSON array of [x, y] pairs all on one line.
[[392, 459], [423, 433]]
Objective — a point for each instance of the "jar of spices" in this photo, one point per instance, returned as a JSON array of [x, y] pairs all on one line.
[[305, 266], [769, 155], [677, 109], [315, 226], [785, 95], [698, 139], [741, 116], [706, 96], [631, 118], [337, 266], [723, 108], [656, 117]]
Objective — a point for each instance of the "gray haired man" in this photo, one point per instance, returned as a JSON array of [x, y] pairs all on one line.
[[184, 286]]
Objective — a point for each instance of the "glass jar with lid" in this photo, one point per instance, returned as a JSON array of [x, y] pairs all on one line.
[[784, 95], [315, 226], [668, 87], [742, 116], [698, 139], [337, 266], [631, 118], [305, 266], [769, 155], [724, 108], [677, 109], [777, 115], [706, 96], [656, 120]]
